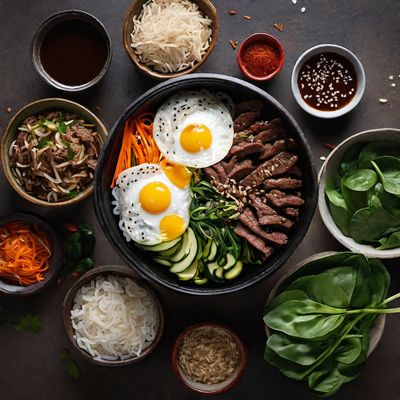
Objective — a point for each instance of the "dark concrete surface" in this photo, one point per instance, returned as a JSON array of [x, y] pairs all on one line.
[[30, 364]]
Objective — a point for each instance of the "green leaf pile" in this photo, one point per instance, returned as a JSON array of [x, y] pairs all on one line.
[[322, 317], [28, 322], [364, 198]]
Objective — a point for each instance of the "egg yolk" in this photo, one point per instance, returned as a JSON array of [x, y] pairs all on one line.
[[155, 197], [195, 137], [178, 174], [172, 226]]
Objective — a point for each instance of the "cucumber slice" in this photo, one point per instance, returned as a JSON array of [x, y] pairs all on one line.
[[201, 281], [170, 252], [182, 253], [164, 245], [213, 252], [191, 252], [211, 267], [229, 262], [219, 273], [234, 271], [188, 273], [163, 262], [207, 249]]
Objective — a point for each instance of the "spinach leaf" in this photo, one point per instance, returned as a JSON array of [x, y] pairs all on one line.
[[388, 169], [354, 200], [339, 210], [350, 159], [283, 298], [305, 319], [360, 180], [329, 383], [349, 350], [391, 242], [299, 352], [288, 368], [377, 149]]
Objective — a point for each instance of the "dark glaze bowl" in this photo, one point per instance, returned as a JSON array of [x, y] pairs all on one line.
[[55, 260], [139, 260], [119, 270], [51, 22]]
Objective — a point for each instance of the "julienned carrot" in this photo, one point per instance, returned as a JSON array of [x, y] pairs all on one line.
[[24, 254], [138, 145]]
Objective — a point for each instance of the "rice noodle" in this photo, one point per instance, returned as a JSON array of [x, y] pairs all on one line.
[[171, 35], [114, 318]]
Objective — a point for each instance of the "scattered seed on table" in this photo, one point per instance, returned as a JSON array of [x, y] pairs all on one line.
[[232, 12], [294, 1], [322, 158], [247, 17], [303, 9], [383, 101], [9, 109], [234, 43], [279, 26], [391, 77], [393, 84]]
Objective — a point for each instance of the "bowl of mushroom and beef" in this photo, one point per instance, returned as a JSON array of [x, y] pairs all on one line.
[[50, 150]]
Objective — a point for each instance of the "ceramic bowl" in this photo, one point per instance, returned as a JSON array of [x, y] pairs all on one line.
[[265, 39], [10, 133], [376, 329], [329, 169], [239, 90], [51, 22], [69, 301], [205, 6], [55, 261], [332, 48], [203, 388]]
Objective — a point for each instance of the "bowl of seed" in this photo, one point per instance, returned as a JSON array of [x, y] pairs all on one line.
[[208, 358]]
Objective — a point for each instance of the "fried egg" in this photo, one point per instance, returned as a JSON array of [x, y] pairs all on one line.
[[194, 128], [152, 202]]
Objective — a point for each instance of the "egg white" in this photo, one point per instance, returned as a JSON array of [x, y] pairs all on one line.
[[194, 107], [136, 223]]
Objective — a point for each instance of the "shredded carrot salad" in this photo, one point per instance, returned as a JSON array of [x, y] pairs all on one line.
[[24, 253], [138, 145]]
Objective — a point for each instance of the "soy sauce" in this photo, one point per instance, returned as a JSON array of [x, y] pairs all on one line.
[[73, 52], [327, 81]]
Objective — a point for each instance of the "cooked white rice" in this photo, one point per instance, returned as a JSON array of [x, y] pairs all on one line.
[[114, 318], [171, 35]]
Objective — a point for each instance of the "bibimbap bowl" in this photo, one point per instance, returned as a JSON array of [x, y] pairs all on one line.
[[142, 261]]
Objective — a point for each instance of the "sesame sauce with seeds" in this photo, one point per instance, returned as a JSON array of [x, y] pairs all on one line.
[[327, 81]]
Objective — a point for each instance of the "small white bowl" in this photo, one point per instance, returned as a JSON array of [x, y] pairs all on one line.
[[332, 48], [330, 168]]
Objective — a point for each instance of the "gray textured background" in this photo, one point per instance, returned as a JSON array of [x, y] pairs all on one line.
[[30, 364]]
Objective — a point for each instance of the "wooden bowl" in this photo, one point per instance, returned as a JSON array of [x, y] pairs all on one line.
[[205, 6], [10, 134], [203, 388], [83, 280], [377, 327], [55, 260]]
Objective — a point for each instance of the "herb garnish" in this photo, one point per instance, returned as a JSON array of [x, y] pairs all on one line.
[[72, 367], [28, 322]]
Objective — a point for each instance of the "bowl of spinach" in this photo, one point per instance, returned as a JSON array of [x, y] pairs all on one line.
[[359, 193], [325, 318]]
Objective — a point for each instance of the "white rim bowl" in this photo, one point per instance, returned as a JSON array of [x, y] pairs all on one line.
[[333, 48], [330, 168]]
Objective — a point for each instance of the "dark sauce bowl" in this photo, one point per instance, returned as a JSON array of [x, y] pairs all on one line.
[[47, 31], [139, 260]]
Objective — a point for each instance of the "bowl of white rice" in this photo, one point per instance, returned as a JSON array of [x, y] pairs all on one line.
[[111, 317], [170, 38]]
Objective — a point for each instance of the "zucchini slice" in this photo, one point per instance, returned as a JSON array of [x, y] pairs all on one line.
[[190, 251], [213, 252], [188, 273], [163, 245], [163, 262], [234, 271]]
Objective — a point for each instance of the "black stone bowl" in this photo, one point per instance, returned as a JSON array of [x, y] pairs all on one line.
[[140, 261]]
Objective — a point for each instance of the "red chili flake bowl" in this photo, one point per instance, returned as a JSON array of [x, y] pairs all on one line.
[[276, 62]]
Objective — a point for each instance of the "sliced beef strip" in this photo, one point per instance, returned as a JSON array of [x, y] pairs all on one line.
[[258, 126], [254, 240], [261, 208], [249, 220], [84, 134], [271, 150], [243, 149], [223, 177], [244, 120], [241, 169], [248, 105], [283, 183], [271, 134], [291, 212], [280, 199], [244, 136], [211, 174], [277, 165], [276, 221]]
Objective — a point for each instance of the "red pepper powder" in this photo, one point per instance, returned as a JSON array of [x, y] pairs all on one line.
[[261, 59]]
